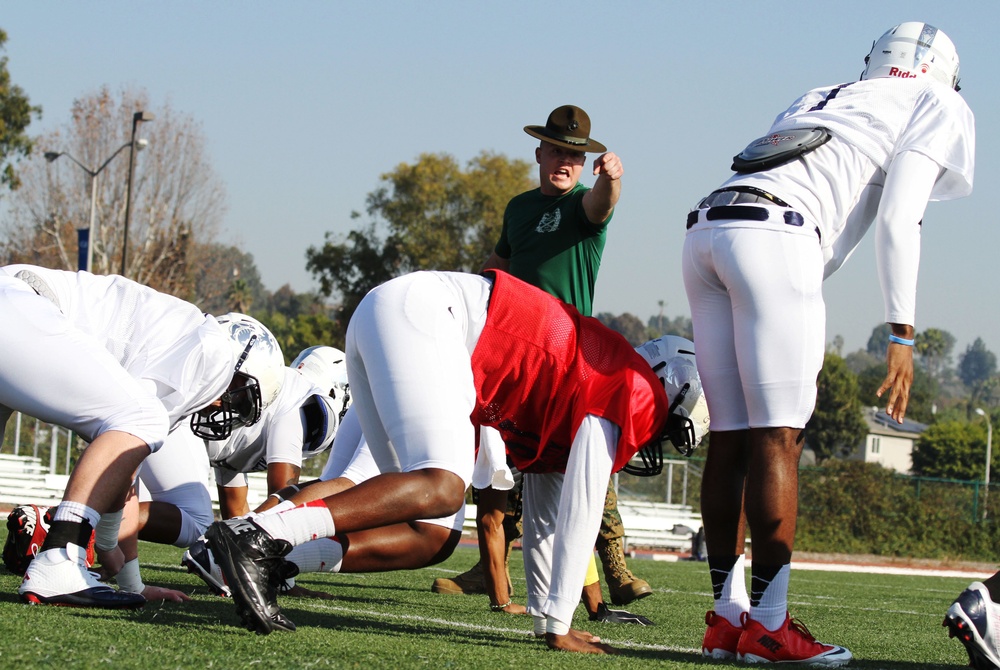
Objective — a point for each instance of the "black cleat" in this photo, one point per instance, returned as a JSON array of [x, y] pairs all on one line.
[[252, 564]]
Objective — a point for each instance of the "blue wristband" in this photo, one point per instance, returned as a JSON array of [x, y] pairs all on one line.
[[899, 340]]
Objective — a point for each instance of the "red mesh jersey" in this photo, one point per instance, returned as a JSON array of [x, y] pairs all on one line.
[[540, 367]]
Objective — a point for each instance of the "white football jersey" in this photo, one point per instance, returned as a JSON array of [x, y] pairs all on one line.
[[838, 186], [279, 436], [179, 353]]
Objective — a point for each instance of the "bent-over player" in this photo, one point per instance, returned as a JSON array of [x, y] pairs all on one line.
[[119, 364], [427, 351], [839, 160]]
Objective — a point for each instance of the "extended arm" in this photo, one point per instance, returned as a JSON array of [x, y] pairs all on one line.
[[600, 201], [897, 243]]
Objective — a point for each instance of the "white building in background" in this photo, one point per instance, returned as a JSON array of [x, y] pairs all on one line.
[[888, 443]]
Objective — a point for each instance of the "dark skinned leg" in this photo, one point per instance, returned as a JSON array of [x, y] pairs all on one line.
[[159, 522], [396, 497], [401, 546], [772, 493], [722, 489]]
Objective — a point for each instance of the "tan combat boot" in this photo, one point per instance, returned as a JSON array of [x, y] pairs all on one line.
[[471, 581], [623, 586]]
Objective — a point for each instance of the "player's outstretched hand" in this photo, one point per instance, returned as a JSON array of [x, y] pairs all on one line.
[[609, 164], [579, 641], [513, 608], [152, 593], [898, 380], [606, 615]]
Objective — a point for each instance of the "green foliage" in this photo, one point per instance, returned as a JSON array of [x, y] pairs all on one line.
[[15, 116], [302, 331], [837, 425], [878, 343], [934, 347], [628, 325], [659, 325], [977, 364], [431, 215], [862, 508], [951, 450], [923, 391]]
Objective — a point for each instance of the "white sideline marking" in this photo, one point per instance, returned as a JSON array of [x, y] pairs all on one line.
[[492, 629], [888, 570]]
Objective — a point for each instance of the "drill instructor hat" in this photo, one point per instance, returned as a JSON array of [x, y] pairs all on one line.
[[567, 127]]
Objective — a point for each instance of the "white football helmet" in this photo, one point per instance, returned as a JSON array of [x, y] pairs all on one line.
[[256, 381], [913, 49], [672, 359], [326, 367]]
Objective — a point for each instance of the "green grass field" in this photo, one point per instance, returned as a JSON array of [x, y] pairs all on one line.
[[392, 620]]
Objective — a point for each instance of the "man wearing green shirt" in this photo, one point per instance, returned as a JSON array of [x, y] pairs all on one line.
[[553, 237]]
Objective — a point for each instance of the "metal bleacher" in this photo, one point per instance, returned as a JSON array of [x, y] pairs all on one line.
[[25, 481]]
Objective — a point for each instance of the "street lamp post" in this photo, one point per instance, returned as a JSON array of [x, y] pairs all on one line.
[[137, 118], [51, 156], [989, 454]]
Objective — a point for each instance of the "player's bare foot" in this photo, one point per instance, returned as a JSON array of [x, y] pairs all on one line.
[[578, 641]]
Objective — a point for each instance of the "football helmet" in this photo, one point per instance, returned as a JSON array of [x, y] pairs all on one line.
[[256, 380], [326, 367], [673, 362], [913, 49]]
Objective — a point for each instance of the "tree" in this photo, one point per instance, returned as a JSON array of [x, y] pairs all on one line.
[[212, 271], [878, 343], [628, 325], [431, 215], [659, 325], [934, 347], [977, 364], [951, 450], [16, 112], [837, 425], [177, 200]]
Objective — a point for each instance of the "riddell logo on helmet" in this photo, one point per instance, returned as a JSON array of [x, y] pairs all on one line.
[[905, 74]]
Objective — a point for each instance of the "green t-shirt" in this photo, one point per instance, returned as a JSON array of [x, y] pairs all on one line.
[[551, 244]]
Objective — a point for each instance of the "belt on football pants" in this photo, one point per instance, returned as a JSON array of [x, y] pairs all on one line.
[[745, 213]]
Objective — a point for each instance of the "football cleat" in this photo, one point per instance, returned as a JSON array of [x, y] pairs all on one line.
[[791, 643], [975, 620], [60, 577], [198, 560], [721, 637], [252, 564]]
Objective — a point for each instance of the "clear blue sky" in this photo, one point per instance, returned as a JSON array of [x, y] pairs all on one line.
[[305, 104]]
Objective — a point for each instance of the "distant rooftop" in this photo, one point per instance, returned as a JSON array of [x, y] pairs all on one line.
[[881, 423]]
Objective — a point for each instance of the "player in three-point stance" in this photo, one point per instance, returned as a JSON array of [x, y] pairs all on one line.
[[430, 350]]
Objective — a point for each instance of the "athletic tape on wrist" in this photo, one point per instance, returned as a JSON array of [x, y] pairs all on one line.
[[899, 340], [106, 533], [129, 579]]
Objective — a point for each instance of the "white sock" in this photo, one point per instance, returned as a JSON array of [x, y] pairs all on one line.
[[76, 512], [772, 609], [322, 555], [734, 600], [299, 525]]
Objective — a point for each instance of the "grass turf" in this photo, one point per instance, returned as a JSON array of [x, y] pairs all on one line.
[[392, 620]]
